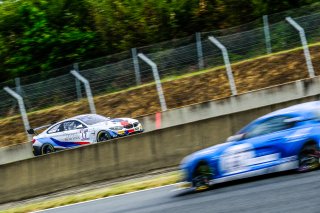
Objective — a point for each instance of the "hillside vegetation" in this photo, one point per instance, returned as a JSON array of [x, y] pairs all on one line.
[[41, 35], [180, 91]]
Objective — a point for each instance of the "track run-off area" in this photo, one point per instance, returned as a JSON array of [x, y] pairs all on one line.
[[282, 192]]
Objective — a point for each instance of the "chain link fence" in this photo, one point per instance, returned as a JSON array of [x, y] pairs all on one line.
[[173, 58]]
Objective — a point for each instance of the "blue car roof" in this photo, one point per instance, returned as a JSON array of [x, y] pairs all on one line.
[[305, 110]]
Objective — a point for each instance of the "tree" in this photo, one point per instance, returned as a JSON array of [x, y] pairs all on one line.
[[37, 42], [40, 35]]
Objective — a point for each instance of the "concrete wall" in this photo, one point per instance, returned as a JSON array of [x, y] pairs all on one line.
[[121, 157], [15, 153], [152, 150], [255, 99]]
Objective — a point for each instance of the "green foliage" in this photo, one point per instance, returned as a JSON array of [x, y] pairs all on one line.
[[39, 35], [33, 41]]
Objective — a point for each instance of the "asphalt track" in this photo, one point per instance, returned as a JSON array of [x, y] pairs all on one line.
[[285, 192]]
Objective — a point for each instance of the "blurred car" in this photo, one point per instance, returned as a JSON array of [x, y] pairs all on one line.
[[75, 131], [287, 139], [131, 125]]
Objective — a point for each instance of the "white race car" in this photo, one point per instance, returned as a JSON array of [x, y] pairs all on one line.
[[75, 131]]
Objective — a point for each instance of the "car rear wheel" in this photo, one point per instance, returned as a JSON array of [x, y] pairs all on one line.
[[47, 148], [308, 158], [202, 177], [103, 136]]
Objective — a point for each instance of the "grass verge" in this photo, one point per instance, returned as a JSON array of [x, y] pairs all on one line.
[[116, 189]]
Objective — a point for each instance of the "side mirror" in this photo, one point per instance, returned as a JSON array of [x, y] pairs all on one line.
[[235, 137], [80, 126], [31, 131]]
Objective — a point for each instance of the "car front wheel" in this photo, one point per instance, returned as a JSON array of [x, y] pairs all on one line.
[[308, 158], [201, 177], [103, 136]]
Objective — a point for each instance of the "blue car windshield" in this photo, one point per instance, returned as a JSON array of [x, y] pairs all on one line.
[[267, 126], [93, 119]]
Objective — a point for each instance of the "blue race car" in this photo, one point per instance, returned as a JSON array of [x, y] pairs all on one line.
[[287, 139]]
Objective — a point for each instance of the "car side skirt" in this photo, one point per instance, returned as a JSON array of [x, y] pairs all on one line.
[[273, 169], [285, 166]]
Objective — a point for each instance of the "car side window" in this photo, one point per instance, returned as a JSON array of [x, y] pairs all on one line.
[[56, 128], [269, 126], [71, 125]]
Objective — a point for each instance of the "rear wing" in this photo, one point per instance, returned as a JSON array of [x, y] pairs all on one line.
[[34, 130]]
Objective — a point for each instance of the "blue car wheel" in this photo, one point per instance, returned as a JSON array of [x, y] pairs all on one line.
[[201, 176], [308, 158]]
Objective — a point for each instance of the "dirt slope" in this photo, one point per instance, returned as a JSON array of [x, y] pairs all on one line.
[[250, 75]]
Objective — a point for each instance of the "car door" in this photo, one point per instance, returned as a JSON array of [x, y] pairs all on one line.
[[261, 146], [73, 132], [56, 134]]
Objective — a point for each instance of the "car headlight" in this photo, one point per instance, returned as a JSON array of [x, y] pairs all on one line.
[[116, 128]]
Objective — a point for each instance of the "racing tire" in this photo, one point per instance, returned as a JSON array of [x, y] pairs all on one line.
[[103, 136], [201, 177], [47, 149], [36, 150], [308, 158]]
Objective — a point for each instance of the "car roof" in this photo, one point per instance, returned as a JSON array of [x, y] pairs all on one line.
[[305, 110], [83, 115], [78, 117]]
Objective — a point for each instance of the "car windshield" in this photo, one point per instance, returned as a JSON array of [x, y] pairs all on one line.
[[93, 119], [270, 125]]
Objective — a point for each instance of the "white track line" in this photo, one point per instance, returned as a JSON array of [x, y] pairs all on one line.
[[88, 201]]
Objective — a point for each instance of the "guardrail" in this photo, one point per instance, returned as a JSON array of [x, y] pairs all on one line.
[[155, 149]]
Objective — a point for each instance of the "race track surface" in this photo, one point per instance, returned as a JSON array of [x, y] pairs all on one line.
[[286, 192]]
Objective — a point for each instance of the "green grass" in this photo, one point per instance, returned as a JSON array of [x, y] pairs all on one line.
[[119, 188]]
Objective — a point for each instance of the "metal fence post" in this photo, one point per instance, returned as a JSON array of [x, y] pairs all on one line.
[[157, 80], [267, 34], [136, 65], [304, 45], [78, 84], [87, 88], [22, 110], [18, 86], [199, 51], [226, 62]]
